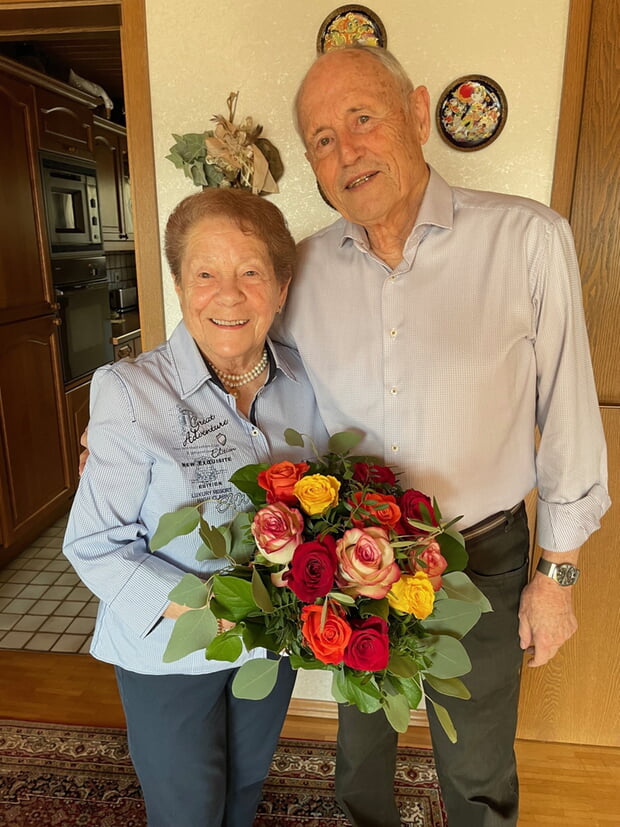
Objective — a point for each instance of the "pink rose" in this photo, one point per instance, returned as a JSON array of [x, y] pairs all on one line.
[[431, 561], [277, 530], [366, 562]]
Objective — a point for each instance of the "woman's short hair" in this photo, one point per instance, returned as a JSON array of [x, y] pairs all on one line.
[[252, 213]]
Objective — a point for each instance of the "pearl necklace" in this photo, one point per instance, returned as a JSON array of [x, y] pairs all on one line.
[[237, 380]]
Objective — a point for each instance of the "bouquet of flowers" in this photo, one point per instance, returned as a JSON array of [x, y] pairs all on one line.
[[340, 569]]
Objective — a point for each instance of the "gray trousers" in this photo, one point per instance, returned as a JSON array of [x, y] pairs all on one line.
[[201, 755], [477, 774]]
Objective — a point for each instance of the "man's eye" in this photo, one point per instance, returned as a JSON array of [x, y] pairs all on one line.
[[251, 273], [364, 118], [204, 275]]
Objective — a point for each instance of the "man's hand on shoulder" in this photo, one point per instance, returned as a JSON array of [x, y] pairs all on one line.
[[546, 616]]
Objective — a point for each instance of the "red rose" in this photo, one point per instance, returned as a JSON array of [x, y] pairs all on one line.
[[368, 648], [373, 474], [370, 508], [279, 481], [415, 505], [312, 569], [327, 642]]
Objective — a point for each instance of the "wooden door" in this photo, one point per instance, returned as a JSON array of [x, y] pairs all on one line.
[[574, 698]]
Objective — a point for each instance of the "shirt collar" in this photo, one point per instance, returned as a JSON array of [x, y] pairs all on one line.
[[436, 210], [193, 371]]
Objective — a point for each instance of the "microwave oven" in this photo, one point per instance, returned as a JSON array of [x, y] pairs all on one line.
[[71, 205]]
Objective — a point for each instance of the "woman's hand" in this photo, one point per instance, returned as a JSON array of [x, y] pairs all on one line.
[[175, 610]]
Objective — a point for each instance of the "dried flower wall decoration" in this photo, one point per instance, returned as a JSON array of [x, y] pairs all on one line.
[[230, 155]]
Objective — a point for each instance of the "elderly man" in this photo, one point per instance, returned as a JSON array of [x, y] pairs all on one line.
[[447, 324]]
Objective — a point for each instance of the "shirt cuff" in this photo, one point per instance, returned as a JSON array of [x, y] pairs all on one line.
[[566, 526]]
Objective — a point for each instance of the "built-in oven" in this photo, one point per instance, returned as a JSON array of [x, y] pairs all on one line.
[[71, 205], [82, 297]]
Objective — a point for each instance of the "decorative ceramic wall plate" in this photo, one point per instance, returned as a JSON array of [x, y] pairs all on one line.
[[351, 24], [471, 112]]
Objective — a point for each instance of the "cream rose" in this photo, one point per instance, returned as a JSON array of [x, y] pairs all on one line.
[[277, 530], [366, 562]]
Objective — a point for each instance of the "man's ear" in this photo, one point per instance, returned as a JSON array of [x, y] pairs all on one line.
[[420, 108]]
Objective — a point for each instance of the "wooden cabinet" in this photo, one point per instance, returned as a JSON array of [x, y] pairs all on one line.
[[110, 150], [24, 285], [77, 404], [65, 125], [128, 347], [35, 478]]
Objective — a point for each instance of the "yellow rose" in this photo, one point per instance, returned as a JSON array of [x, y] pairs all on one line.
[[413, 594], [317, 493]]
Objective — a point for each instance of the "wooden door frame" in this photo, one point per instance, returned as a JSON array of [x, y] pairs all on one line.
[[129, 18], [571, 105]]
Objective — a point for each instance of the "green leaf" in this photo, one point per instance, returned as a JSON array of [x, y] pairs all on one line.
[[192, 631], [452, 550], [357, 690], [402, 666], [293, 438], [242, 546], [396, 708], [226, 647], [205, 553], [411, 689], [375, 608], [174, 524], [453, 687], [457, 585], [344, 442], [299, 662], [245, 480], [260, 593], [452, 617], [254, 635], [448, 658], [255, 679], [344, 599], [445, 720], [190, 591], [234, 595], [217, 539]]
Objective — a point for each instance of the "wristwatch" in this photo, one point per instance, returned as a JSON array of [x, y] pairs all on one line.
[[563, 573]]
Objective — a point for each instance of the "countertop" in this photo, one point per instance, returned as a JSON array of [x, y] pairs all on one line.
[[126, 327]]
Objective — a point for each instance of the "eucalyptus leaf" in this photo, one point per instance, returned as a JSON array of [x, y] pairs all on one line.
[[235, 595], [452, 617], [293, 438], [174, 524], [364, 694], [299, 662], [242, 545], [255, 635], [215, 538], [245, 480], [375, 608], [260, 593], [402, 666], [453, 687], [190, 591], [255, 679], [448, 658], [344, 441], [457, 585], [226, 647], [204, 553], [396, 708], [445, 720], [192, 631], [453, 551]]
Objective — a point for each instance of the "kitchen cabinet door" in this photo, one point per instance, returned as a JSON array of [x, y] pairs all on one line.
[[65, 125], [23, 285], [110, 147], [35, 478], [77, 400]]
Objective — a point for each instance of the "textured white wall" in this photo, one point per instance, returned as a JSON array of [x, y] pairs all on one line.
[[199, 52]]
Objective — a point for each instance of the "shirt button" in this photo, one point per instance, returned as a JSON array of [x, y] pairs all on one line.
[[255, 432], [393, 333], [395, 448], [392, 278], [393, 391]]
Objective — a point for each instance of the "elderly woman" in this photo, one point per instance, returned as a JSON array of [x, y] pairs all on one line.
[[167, 430]]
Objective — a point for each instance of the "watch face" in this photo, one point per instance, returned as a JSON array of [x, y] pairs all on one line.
[[566, 574]]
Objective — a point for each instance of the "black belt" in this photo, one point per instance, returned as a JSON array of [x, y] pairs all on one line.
[[491, 523]]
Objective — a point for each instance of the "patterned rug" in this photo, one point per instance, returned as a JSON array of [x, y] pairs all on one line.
[[55, 776]]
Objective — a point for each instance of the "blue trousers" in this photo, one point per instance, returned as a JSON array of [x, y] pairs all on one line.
[[477, 774], [201, 755]]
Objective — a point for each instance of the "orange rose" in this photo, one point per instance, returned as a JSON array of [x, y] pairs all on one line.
[[370, 508], [279, 481], [327, 644]]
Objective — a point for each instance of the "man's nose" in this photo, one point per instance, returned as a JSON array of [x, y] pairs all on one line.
[[350, 148]]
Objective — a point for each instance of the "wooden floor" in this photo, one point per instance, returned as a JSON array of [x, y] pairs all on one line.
[[561, 784]]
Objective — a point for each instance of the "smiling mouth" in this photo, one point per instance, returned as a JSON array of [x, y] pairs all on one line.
[[359, 181], [229, 323]]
